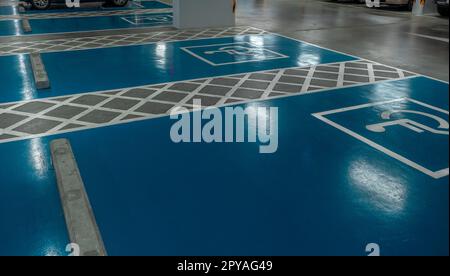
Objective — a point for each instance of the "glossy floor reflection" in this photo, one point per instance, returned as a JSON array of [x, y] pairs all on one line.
[[73, 72], [361, 154], [315, 195], [84, 19], [381, 35]]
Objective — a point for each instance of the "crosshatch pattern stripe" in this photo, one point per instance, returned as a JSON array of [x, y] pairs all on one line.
[[82, 43], [21, 120], [81, 14]]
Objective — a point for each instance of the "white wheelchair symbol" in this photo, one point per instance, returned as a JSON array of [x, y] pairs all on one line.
[[73, 249], [410, 124], [235, 50], [373, 249], [159, 18]]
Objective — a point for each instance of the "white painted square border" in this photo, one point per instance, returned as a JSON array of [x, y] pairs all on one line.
[[187, 50], [322, 116], [128, 19]]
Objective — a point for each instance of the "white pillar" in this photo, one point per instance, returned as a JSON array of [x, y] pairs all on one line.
[[424, 7], [203, 13]]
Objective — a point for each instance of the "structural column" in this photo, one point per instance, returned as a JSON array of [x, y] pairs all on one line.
[[424, 7], [203, 13]]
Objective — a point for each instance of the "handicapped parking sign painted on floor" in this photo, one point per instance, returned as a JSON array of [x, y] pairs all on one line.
[[232, 53], [413, 132], [148, 19]]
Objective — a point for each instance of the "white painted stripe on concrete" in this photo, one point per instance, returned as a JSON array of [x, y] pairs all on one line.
[[443, 39]]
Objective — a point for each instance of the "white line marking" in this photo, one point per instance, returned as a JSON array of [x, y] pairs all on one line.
[[267, 32], [436, 174], [126, 19], [137, 4], [308, 78], [356, 57], [193, 80], [170, 34], [428, 106], [350, 108], [187, 49], [321, 116], [148, 117], [85, 14], [443, 39], [91, 31]]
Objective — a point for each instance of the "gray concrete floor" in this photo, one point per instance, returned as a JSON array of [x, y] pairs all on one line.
[[389, 35], [386, 35]]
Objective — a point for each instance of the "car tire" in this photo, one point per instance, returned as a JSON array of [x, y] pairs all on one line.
[[118, 3], [41, 4], [442, 10]]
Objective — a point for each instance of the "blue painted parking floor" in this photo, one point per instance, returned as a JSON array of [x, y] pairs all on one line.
[[134, 5], [360, 154], [136, 15]]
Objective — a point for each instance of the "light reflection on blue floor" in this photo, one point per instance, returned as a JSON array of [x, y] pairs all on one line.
[[120, 67], [132, 5], [61, 8], [80, 24], [8, 10], [323, 192], [31, 217], [315, 196]]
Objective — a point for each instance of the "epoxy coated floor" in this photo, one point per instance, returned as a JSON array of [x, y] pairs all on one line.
[[389, 36], [85, 19], [361, 156]]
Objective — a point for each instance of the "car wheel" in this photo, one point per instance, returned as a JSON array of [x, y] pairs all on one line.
[[442, 10], [119, 3], [41, 4]]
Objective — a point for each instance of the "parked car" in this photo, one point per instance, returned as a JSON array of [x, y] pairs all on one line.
[[46, 4], [407, 3], [442, 7]]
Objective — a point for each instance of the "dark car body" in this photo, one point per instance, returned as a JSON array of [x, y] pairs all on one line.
[[45, 4], [442, 6]]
